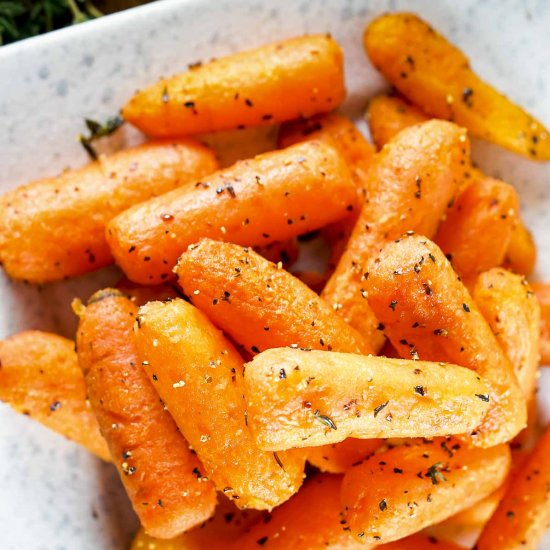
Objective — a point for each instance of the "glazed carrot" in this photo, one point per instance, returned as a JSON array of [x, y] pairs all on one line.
[[523, 514], [273, 308], [290, 79], [478, 228], [521, 254], [400, 491], [161, 475], [54, 228], [40, 378], [338, 457], [410, 183], [436, 76], [388, 114], [542, 291], [428, 314], [216, 533], [198, 374], [358, 153], [272, 197], [304, 398], [513, 313]]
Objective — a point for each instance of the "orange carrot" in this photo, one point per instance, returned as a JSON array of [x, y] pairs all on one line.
[[40, 378], [161, 475], [274, 308], [513, 313], [272, 197], [428, 314], [55, 228], [338, 457], [198, 374], [542, 291], [436, 76], [140, 295], [400, 491], [303, 398], [290, 79], [523, 514], [478, 228], [409, 186], [521, 254], [388, 114]]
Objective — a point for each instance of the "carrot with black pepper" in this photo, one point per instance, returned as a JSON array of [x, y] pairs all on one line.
[[162, 476], [54, 228], [304, 398], [428, 314], [437, 76], [338, 457], [199, 375], [294, 78], [40, 378], [400, 491], [273, 197], [410, 184]]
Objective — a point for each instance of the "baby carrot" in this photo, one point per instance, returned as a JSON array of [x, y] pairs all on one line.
[[409, 185], [542, 291], [521, 254], [54, 228], [338, 457], [40, 378], [427, 313], [161, 475], [290, 79], [400, 491], [272, 197], [198, 375]]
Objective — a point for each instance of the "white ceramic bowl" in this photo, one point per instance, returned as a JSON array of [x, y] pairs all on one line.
[[53, 495]]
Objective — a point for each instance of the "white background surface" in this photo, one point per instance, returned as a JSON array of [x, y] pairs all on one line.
[[52, 494]]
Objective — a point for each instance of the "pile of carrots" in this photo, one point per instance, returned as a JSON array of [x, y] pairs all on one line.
[[404, 375]]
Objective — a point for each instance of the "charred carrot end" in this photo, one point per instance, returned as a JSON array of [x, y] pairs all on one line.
[[542, 291], [434, 479], [273, 197], [301, 398], [513, 313], [523, 514], [521, 254], [338, 457], [162, 476], [274, 308], [40, 378], [479, 226], [55, 228], [428, 314], [410, 184], [195, 369], [436, 76], [282, 81], [388, 114]]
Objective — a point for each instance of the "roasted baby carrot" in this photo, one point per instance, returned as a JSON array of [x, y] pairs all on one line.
[[410, 183], [40, 378], [478, 228], [437, 76], [290, 79], [513, 313], [542, 291], [304, 398], [54, 228], [272, 197], [400, 491], [338, 457], [161, 475], [428, 314], [358, 153], [388, 114], [274, 308], [521, 254], [523, 514], [198, 375]]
